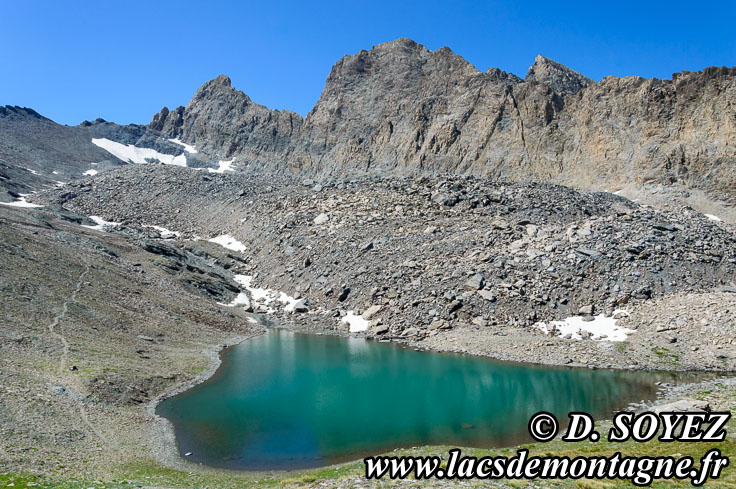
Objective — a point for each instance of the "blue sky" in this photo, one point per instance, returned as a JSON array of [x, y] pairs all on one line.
[[124, 60]]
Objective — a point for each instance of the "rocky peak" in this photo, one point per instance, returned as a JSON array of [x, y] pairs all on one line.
[[15, 110], [557, 76], [402, 59], [223, 122], [503, 76], [222, 80], [219, 88]]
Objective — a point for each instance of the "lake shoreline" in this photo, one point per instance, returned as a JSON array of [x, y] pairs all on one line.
[[163, 440], [165, 448], [525, 346]]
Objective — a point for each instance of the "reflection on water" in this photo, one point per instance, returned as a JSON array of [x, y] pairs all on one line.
[[286, 400]]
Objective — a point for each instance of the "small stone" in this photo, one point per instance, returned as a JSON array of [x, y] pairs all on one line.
[[586, 310], [476, 282], [381, 329], [321, 219], [480, 322], [487, 295], [664, 227], [589, 252], [301, 306], [500, 223], [682, 406], [371, 311], [438, 324]]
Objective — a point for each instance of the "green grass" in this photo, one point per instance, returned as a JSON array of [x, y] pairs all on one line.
[[666, 355]]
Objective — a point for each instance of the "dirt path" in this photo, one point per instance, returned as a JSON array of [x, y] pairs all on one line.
[[64, 309], [53, 329]]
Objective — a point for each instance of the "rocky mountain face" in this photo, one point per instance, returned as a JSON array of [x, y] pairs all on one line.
[[36, 153], [224, 122], [403, 108]]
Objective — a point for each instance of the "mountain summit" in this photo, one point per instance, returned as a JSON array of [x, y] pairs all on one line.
[[557, 76]]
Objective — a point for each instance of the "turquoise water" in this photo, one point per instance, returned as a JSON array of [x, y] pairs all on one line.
[[286, 401]]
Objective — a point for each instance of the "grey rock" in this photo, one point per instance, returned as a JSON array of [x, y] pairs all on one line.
[[371, 311], [586, 310], [321, 219], [487, 295], [476, 282], [301, 306]]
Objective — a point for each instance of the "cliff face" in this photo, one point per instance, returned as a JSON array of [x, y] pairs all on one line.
[[403, 108], [224, 122]]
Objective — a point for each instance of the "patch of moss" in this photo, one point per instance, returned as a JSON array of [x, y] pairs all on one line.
[[666, 354]]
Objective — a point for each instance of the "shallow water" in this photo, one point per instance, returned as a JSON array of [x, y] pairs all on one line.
[[287, 401]]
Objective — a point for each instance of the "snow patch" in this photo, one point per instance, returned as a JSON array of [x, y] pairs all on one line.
[[258, 295], [187, 147], [227, 241], [91, 173], [289, 301], [240, 300], [357, 323], [600, 328], [223, 167], [101, 224], [712, 217], [134, 154], [165, 233], [22, 202]]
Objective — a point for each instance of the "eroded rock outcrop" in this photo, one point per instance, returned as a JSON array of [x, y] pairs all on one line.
[[403, 108], [224, 122]]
